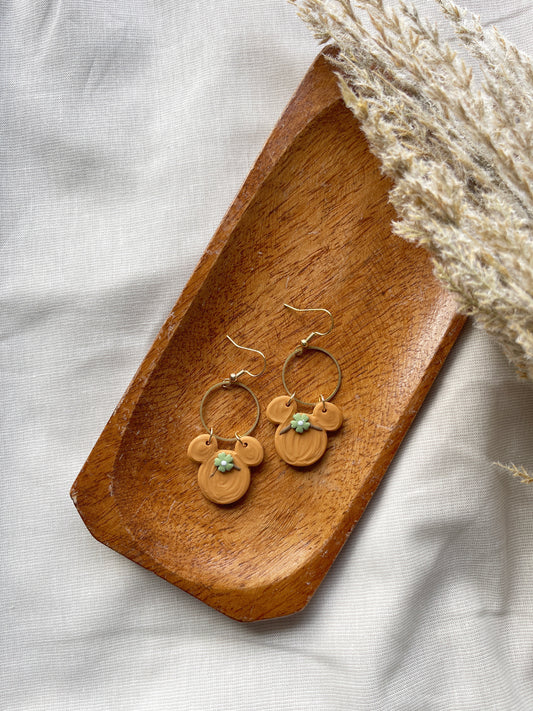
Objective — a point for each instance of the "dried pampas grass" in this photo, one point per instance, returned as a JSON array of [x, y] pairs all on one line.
[[460, 152]]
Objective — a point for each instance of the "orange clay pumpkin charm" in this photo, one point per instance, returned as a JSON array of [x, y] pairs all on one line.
[[224, 474], [301, 439]]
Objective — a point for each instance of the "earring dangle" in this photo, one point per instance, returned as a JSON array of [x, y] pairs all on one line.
[[224, 474], [301, 438]]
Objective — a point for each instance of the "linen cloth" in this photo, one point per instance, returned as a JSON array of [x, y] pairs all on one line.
[[126, 130]]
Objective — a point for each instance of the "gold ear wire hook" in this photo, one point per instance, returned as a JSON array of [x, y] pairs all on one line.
[[305, 341], [234, 376]]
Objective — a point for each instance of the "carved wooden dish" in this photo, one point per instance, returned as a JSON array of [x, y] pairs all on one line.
[[311, 227]]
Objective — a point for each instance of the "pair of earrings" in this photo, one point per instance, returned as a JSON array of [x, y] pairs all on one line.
[[300, 439]]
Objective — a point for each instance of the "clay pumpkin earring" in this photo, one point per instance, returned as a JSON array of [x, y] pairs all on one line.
[[224, 474], [301, 438]]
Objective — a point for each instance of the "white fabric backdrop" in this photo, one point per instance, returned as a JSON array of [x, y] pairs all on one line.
[[126, 129]]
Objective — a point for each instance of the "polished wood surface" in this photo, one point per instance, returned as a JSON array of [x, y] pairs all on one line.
[[311, 227]]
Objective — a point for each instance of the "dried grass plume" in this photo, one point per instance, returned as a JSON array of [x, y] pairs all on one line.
[[459, 151]]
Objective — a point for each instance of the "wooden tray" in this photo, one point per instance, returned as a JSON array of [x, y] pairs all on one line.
[[311, 227]]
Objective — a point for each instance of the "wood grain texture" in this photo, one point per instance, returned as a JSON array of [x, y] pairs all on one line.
[[311, 227]]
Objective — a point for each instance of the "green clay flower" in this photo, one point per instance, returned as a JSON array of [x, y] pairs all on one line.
[[224, 462], [300, 422]]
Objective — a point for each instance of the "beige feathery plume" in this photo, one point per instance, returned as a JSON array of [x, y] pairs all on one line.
[[460, 152]]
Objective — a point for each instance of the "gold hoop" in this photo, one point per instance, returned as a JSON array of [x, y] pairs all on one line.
[[226, 384], [298, 352]]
